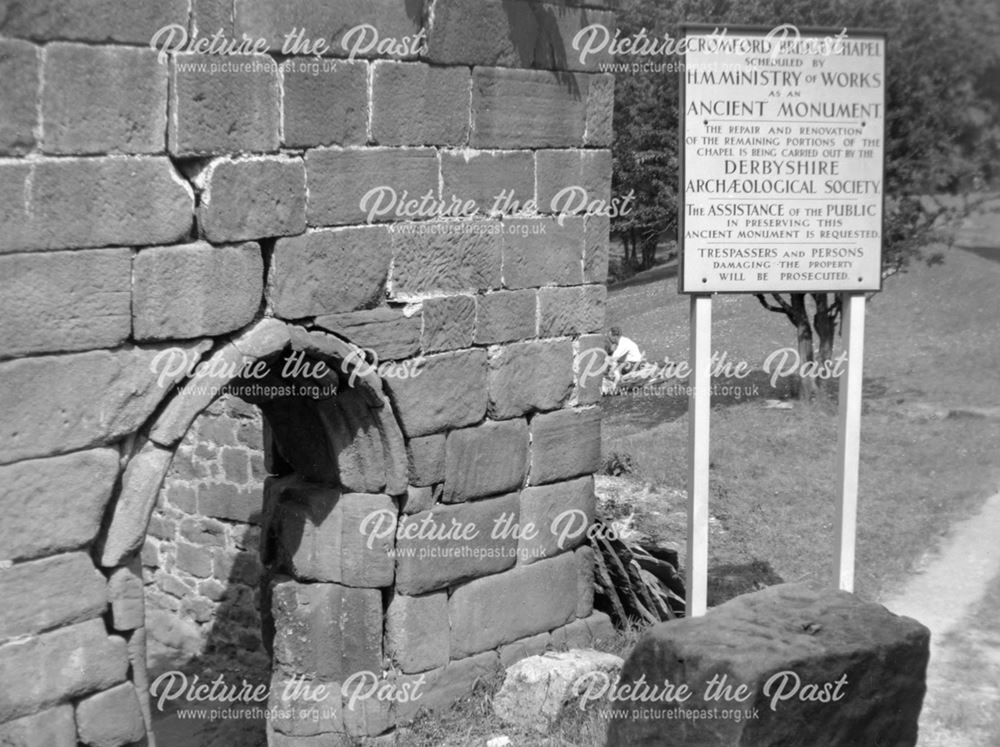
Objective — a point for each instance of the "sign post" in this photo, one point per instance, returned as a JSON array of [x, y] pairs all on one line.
[[782, 190]]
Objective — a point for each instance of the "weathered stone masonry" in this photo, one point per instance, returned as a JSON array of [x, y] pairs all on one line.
[[151, 206]]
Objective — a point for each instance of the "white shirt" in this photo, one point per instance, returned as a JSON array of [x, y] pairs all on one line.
[[628, 350]]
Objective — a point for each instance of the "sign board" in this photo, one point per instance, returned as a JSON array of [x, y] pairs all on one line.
[[782, 171]]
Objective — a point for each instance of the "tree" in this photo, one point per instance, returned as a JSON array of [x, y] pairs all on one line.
[[942, 103]]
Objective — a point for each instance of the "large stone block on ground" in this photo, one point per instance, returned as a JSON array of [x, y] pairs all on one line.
[[251, 198], [537, 690], [55, 404], [530, 376], [448, 392], [73, 203], [329, 271], [50, 728], [323, 535], [565, 444], [444, 258], [415, 631], [517, 33], [488, 459], [353, 186], [111, 718], [65, 300], [195, 290], [817, 667], [543, 251], [95, 21], [488, 612], [560, 513], [84, 111], [328, 108], [326, 631], [416, 104], [214, 111], [19, 79], [506, 316], [449, 544], [54, 505], [533, 108], [439, 688], [44, 594], [66, 663]]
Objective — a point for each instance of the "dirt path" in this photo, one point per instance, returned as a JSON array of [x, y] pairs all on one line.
[[957, 595]]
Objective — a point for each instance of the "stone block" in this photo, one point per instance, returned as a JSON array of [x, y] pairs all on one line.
[[72, 203], [426, 459], [528, 108], [560, 514], [589, 363], [575, 635], [449, 323], [488, 459], [44, 594], [326, 535], [125, 593], [440, 688], [332, 21], [506, 316], [444, 258], [111, 718], [209, 16], [391, 334], [67, 663], [194, 559], [571, 311], [530, 376], [195, 290], [250, 198], [326, 107], [416, 104], [596, 248], [83, 109], [499, 182], [602, 630], [329, 271], [815, 666], [217, 110], [302, 711], [517, 33], [585, 578], [450, 544], [54, 505], [490, 611], [417, 499], [364, 185], [448, 392], [415, 631], [200, 530], [326, 631], [229, 502], [64, 403], [537, 691], [50, 728], [565, 444], [540, 251], [600, 111], [65, 300], [94, 21], [531, 646], [571, 180], [20, 64], [136, 500]]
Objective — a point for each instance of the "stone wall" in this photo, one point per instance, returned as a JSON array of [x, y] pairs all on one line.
[[158, 209]]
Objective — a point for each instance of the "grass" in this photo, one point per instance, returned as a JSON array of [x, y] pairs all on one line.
[[930, 348]]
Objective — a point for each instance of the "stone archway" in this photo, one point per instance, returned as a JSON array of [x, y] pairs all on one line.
[[336, 453]]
